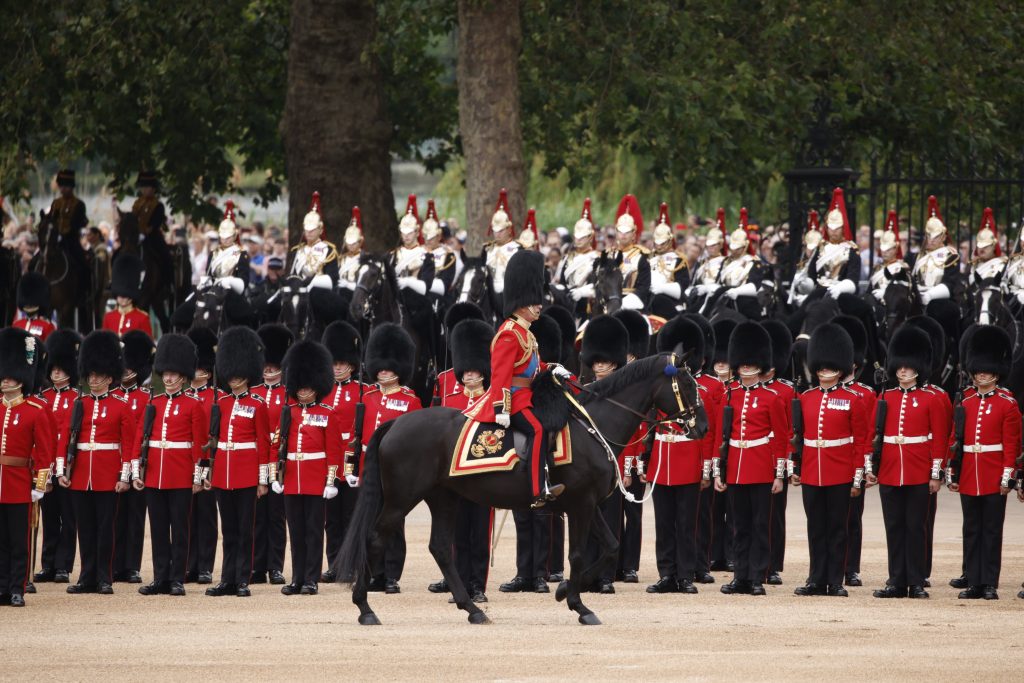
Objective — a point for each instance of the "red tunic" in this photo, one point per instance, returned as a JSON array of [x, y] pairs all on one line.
[[714, 398], [916, 436], [106, 440], [867, 397], [119, 323], [786, 392], [513, 355], [180, 431], [675, 459], [40, 327], [27, 434], [275, 398], [459, 399], [991, 441], [832, 415], [137, 399], [243, 443], [59, 404], [946, 405], [758, 440], [343, 400], [447, 384], [314, 445], [381, 408]]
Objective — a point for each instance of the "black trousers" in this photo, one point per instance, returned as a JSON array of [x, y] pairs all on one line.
[[58, 515], [14, 544], [631, 528], [533, 543], [933, 508], [675, 530], [722, 538], [269, 535], [339, 512], [306, 529], [750, 509], [905, 512], [778, 529], [855, 532], [827, 509], [556, 561], [168, 532], [472, 543], [130, 530], [95, 512], [610, 510], [202, 547], [705, 506], [237, 517], [983, 537]]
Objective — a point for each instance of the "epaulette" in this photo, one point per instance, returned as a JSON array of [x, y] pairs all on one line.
[[449, 261], [296, 247], [783, 380], [258, 397], [769, 389], [371, 389], [324, 405], [1007, 394], [145, 390], [122, 399], [35, 402]]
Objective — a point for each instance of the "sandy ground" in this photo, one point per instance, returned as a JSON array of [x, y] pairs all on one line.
[[709, 636]]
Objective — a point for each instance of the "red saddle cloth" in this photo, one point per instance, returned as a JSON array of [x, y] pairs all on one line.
[[484, 447]]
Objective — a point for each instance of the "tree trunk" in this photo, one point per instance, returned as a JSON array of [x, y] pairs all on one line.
[[336, 127], [490, 39]]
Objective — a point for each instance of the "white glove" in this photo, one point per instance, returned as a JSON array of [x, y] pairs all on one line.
[[632, 302], [939, 291], [671, 289], [322, 282], [413, 283], [330, 492], [926, 296], [37, 495], [499, 285], [504, 419], [558, 371], [233, 283], [352, 480], [747, 289], [583, 292], [347, 284], [276, 487], [658, 286], [1020, 297], [437, 287], [879, 295], [841, 287]]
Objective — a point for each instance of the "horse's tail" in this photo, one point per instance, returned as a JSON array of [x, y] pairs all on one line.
[[352, 557]]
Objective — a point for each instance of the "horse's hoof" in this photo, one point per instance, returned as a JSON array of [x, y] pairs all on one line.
[[478, 618], [562, 591], [370, 619], [590, 619]]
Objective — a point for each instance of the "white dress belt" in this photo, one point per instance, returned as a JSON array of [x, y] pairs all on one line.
[[672, 438], [904, 440], [827, 443], [744, 443], [93, 446], [307, 456], [984, 448], [153, 443], [237, 445]]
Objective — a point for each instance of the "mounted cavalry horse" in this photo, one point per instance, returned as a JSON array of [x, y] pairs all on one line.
[[156, 293], [66, 293]]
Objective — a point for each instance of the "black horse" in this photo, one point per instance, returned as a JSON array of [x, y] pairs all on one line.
[[476, 286], [67, 297], [156, 292], [398, 476], [304, 310], [606, 277]]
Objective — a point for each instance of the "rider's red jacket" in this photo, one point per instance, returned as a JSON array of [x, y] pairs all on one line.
[[515, 361]]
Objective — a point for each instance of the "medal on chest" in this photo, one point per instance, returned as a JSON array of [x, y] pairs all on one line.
[[754, 404], [176, 409], [396, 404], [16, 418], [314, 420], [103, 413], [243, 411], [913, 402], [838, 404]]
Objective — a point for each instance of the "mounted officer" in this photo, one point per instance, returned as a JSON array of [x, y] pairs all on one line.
[[937, 274], [705, 277], [498, 252], [316, 259], [228, 266], [636, 269], [670, 271], [835, 265], [747, 279], [575, 268], [987, 268], [444, 257]]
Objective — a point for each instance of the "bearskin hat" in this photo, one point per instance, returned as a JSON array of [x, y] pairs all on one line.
[[19, 356], [307, 365], [276, 339], [723, 333], [175, 353], [989, 350], [830, 348], [101, 354], [605, 339], [471, 348], [639, 331], [182, 317], [463, 310], [706, 329], [546, 331], [524, 281], [910, 347], [126, 276], [782, 346], [567, 327], [206, 347], [33, 291], [937, 334], [390, 348], [749, 344], [62, 352], [239, 354], [683, 330], [138, 353], [858, 335], [343, 343]]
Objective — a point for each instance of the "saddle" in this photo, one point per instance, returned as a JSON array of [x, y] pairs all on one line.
[[486, 447]]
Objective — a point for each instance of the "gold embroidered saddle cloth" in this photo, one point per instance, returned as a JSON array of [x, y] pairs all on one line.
[[484, 447]]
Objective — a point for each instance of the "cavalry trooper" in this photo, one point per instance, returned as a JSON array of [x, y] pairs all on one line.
[[314, 456], [390, 359], [131, 508], [991, 444], [414, 265], [344, 344], [670, 271], [228, 265], [756, 457], [604, 349], [576, 267], [987, 268], [202, 546], [444, 257], [635, 268], [171, 473], [529, 236], [704, 284], [58, 554], [351, 258], [803, 282], [866, 395], [152, 219], [835, 266], [680, 468], [33, 297], [936, 272], [269, 534], [125, 284], [1013, 278], [315, 260], [68, 215], [891, 265], [101, 469], [777, 380], [239, 469], [447, 382], [830, 470], [915, 439], [744, 275], [27, 450], [497, 253]]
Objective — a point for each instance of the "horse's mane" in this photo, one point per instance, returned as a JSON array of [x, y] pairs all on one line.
[[637, 371], [384, 263]]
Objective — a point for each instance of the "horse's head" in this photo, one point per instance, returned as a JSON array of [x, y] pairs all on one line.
[[47, 235], [370, 280], [678, 397], [474, 283], [127, 230], [897, 302], [209, 307], [294, 298], [607, 280]]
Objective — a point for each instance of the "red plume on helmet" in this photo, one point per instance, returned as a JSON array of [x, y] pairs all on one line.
[[663, 215], [720, 220], [531, 225], [431, 211], [629, 205], [412, 208], [357, 218], [753, 232], [933, 208], [315, 204], [229, 211], [892, 224], [812, 221], [502, 205], [586, 213], [839, 204], [988, 222]]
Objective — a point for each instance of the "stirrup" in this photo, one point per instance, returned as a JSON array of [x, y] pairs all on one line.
[[539, 502]]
